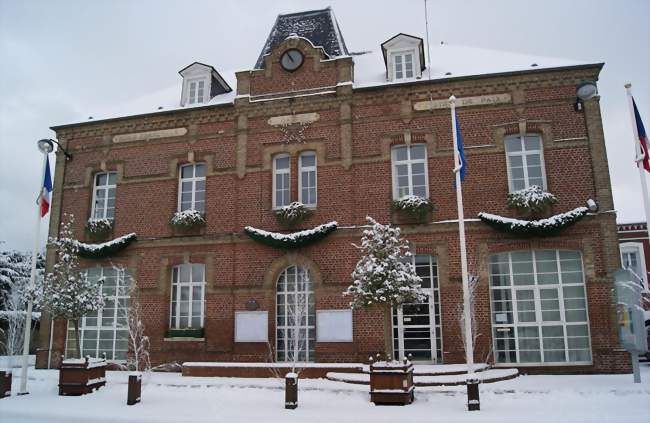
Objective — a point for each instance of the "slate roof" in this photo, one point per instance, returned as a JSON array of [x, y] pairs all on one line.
[[319, 26]]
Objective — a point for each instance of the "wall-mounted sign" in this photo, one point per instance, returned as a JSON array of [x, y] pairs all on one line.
[[251, 326], [479, 100], [334, 325], [150, 135]]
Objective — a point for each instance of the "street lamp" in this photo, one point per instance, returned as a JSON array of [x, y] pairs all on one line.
[[47, 145], [584, 91]]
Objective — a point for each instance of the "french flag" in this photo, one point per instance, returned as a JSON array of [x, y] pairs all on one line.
[[46, 194], [643, 139]]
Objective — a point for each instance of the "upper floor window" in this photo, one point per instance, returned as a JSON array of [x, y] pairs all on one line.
[[191, 191], [307, 180], [187, 296], [196, 92], [281, 180], [525, 158], [403, 66], [410, 171], [632, 258], [104, 196]]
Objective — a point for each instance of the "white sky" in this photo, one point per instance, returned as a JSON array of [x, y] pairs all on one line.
[[63, 60]]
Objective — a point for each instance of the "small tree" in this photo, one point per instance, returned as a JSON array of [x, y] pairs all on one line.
[[384, 275], [138, 341], [67, 292]]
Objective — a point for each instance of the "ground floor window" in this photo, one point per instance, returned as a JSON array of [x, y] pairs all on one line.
[[105, 331], [417, 329], [539, 307], [187, 296], [296, 316]]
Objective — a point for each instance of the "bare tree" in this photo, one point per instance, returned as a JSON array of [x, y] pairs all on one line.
[[474, 280], [138, 358], [298, 332]]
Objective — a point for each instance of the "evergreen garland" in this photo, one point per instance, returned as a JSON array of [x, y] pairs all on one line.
[[293, 240], [106, 249], [542, 227]]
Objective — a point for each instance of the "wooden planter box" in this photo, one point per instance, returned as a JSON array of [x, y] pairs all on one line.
[[81, 376], [5, 383], [391, 383]]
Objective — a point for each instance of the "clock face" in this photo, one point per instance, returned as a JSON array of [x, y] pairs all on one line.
[[291, 60]]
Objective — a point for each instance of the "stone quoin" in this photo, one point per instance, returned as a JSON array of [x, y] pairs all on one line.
[[345, 133]]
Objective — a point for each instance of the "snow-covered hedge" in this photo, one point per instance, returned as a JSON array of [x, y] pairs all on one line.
[[413, 205], [99, 228], [293, 240], [188, 219], [533, 201], [542, 227], [292, 214], [105, 249]]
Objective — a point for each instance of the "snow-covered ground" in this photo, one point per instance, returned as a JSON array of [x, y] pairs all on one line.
[[173, 398]]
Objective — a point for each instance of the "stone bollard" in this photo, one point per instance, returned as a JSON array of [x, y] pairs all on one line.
[[5, 383], [473, 399], [291, 391], [135, 388]]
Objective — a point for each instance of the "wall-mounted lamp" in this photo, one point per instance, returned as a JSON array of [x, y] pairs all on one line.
[[48, 144], [584, 91]]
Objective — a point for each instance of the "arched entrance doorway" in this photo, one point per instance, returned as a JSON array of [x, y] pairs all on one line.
[[295, 337]]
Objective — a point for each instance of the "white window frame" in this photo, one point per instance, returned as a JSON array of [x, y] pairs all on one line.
[[307, 169], [524, 159], [122, 289], [175, 315], [409, 162], [539, 322], [636, 247], [106, 188], [193, 179], [196, 99], [402, 53], [310, 323], [280, 172]]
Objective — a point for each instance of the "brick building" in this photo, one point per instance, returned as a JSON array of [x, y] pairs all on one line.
[[345, 134], [635, 253]]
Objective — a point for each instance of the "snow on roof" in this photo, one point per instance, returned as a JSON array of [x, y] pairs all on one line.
[[449, 61]]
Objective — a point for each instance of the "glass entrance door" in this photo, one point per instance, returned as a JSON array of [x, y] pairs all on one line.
[[417, 327]]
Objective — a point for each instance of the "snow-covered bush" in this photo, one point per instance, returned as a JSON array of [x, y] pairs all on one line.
[[67, 292], [384, 275], [531, 201], [99, 228], [188, 219], [292, 214], [415, 206]]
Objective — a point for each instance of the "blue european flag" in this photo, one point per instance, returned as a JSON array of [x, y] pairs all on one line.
[[461, 149]]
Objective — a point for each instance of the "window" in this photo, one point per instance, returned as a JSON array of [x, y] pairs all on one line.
[[539, 308], [196, 91], [632, 258], [307, 180], [296, 315], [410, 171], [525, 162], [281, 180], [104, 196], [403, 65], [105, 331], [188, 295], [191, 192]]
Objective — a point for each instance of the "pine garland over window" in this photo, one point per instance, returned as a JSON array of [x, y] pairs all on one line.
[[105, 249], [542, 227], [293, 240]]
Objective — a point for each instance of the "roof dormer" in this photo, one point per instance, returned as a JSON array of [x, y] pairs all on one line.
[[201, 83], [403, 57]]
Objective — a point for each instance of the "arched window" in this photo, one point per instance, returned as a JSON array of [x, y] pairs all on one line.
[[295, 315], [539, 307], [525, 157]]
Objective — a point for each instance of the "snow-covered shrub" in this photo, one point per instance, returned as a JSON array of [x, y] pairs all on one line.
[[99, 228], [414, 206], [67, 292], [188, 219], [384, 275], [292, 214], [531, 201]]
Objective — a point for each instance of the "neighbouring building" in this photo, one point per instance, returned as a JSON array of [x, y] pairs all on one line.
[[635, 253], [346, 133]]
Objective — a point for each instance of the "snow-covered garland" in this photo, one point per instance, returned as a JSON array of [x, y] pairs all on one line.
[[542, 227], [188, 219], [293, 240], [413, 205], [105, 249], [292, 214]]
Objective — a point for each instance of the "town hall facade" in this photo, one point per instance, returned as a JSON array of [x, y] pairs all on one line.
[[346, 134]]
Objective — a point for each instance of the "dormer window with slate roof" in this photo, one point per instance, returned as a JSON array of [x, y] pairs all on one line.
[[201, 83], [403, 57]]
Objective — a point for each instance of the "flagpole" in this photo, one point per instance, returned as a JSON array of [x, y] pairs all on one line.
[[32, 280], [469, 342], [638, 158]]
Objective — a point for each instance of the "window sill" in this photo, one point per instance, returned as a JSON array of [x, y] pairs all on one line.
[[557, 364], [183, 339]]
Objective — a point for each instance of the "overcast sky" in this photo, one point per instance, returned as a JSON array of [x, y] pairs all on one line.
[[62, 61]]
